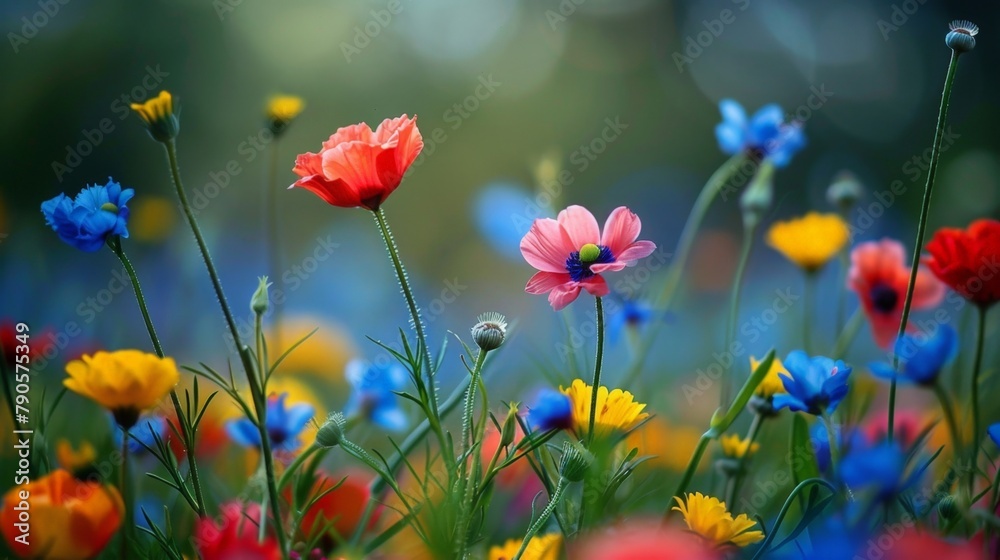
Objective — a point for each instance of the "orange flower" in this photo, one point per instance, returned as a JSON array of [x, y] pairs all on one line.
[[336, 515], [68, 519], [359, 167]]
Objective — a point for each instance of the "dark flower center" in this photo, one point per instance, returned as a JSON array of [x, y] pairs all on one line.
[[884, 298], [579, 268], [277, 435]]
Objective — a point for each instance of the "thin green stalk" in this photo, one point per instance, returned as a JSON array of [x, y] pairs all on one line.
[[597, 369], [734, 308], [256, 390], [465, 481], [129, 513], [543, 517], [187, 436], [470, 405], [733, 488], [808, 304], [784, 512], [706, 438], [949, 418], [848, 333], [675, 271], [976, 370], [271, 228], [925, 207], [831, 435]]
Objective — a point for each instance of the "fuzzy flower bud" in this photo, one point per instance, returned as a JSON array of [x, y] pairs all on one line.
[[331, 433], [756, 199], [962, 37], [845, 191], [259, 300], [490, 331], [509, 430], [575, 462]]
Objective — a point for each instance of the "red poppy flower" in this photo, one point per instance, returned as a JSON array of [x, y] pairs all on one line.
[[648, 540], [359, 167], [336, 515], [880, 275], [968, 261], [234, 535], [919, 545]]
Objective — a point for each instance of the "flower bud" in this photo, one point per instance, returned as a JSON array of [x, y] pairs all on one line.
[[575, 462], [331, 433], [281, 110], [158, 115], [509, 430], [845, 191], [756, 199], [962, 37], [259, 301], [762, 406], [728, 467], [490, 331], [948, 508]]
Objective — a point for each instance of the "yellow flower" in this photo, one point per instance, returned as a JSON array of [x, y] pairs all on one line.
[[809, 241], [282, 109], [158, 114], [735, 447], [669, 446], [153, 218], [74, 460], [543, 547], [126, 382], [771, 384], [709, 518], [617, 410], [324, 354]]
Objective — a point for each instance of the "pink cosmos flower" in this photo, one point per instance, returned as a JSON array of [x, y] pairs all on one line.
[[570, 252]]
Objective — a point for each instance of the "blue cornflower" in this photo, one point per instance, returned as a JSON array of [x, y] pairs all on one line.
[[921, 358], [504, 211], [816, 384], [880, 467], [283, 425], [97, 213], [146, 430], [765, 135], [847, 439], [374, 394], [633, 313], [552, 410]]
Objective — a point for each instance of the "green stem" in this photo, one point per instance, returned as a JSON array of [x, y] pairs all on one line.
[[256, 391], [418, 324], [949, 417], [732, 491], [784, 512], [470, 405], [187, 434], [808, 300], [925, 207], [126, 498], [543, 517], [831, 435], [271, 228], [468, 438], [597, 369], [976, 370], [848, 333], [675, 271], [734, 307], [706, 438]]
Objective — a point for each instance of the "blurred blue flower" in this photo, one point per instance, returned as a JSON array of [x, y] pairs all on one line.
[[765, 135], [145, 431], [86, 222], [504, 212], [816, 384], [283, 425], [994, 432], [631, 313], [832, 538], [847, 439], [880, 467], [374, 396], [921, 358], [552, 410]]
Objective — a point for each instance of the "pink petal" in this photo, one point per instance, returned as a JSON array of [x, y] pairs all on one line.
[[635, 251], [620, 230], [596, 286], [928, 290], [608, 267], [580, 226], [543, 282], [544, 246], [360, 132], [563, 295]]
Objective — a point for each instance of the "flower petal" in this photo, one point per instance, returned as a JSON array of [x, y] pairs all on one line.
[[561, 296], [544, 282], [545, 246], [620, 230], [580, 226]]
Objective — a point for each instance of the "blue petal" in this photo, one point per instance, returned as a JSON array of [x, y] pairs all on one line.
[[243, 432], [390, 418], [884, 371], [297, 418], [782, 400], [994, 432], [731, 139], [733, 113]]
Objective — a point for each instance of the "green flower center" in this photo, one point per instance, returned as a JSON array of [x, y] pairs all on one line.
[[107, 206], [589, 253]]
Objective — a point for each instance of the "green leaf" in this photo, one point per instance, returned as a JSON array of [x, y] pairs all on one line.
[[719, 424], [804, 464]]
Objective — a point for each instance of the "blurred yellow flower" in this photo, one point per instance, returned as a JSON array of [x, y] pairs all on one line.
[[324, 354], [771, 384], [153, 219], [617, 410], [736, 447], [281, 109], [709, 518], [809, 241], [670, 447], [541, 547], [158, 114], [74, 460], [126, 382]]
